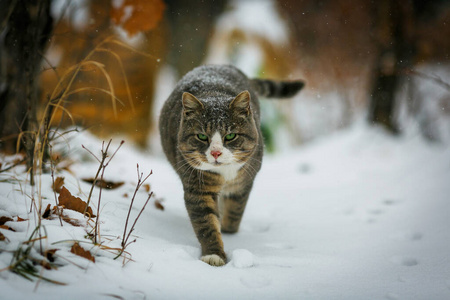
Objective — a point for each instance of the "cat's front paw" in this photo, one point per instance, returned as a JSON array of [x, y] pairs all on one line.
[[213, 260]]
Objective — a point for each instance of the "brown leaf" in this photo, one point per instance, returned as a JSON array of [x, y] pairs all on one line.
[[73, 222], [138, 15], [158, 204], [125, 195], [18, 161], [50, 254], [78, 250], [55, 157], [3, 220], [47, 212], [2, 237], [6, 227], [59, 211], [147, 187], [74, 203], [45, 264], [103, 183], [59, 182], [19, 219]]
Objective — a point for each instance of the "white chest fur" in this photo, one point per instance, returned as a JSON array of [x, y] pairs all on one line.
[[228, 172]]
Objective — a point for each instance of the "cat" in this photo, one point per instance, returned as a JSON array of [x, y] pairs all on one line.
[[210, 133]]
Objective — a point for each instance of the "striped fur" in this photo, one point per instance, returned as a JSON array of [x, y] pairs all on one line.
[[208, 105], [277, 89]]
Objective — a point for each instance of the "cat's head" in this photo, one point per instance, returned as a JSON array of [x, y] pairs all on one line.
[[217, 134]]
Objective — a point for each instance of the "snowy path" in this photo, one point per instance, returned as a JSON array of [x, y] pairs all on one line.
[[358, 215]]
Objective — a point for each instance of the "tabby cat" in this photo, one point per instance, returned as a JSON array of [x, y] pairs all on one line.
[[210, 132]]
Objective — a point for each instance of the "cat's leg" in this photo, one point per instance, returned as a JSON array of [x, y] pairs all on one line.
[[233, 204], [202, 208]]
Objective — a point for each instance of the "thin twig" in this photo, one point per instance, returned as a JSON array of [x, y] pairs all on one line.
[[96, 175], [138, 186], [104, 156], [101, 172], [91, 153], [13, 165], [137, 218], [52, 167], [126, 235], [436, 79]]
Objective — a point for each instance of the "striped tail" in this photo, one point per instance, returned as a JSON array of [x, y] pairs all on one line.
[[277, 89]]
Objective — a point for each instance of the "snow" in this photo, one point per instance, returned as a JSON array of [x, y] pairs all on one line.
[[355, 215], [77, 11], [242, 258], [263, 20]]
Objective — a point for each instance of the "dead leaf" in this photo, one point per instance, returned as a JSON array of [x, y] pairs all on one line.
[[50, 254], [19, 219], [158, 204], [18, 161], [4, 219], [58, 184], [2, 237], [55, 157], [125, 195], [147, 187], [74, 203], [71, 221], [78, 250], [62, 162], [6, 227], [47, 212], [103, 183], [59, 211], [45, 264], [138, 15]]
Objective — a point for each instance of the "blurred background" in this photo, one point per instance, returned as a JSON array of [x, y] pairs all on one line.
[[108, 65]]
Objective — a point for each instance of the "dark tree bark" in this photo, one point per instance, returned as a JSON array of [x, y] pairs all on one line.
[[25, 34], [394, 36], [191, 26]]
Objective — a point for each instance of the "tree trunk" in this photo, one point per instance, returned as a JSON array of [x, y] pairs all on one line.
[[191, 25], [25, 33], [393, 33]]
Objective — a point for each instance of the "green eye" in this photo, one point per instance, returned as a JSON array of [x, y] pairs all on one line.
[[202, 137], [230, 136]]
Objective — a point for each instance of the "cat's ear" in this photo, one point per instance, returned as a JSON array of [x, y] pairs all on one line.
[[241, 103], [191, 104]]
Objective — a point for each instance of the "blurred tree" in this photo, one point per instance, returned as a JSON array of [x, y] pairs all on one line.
[[368, 46], [401, 44], [25, 30], [394, 36], [333, 48], [191, 27]]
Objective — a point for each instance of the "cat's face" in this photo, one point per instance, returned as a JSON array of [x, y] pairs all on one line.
[[216, 135]]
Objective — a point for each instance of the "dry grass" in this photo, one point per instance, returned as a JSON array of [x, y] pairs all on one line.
[[25, 260]]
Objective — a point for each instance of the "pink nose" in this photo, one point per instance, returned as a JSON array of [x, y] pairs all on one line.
[[216, 154]]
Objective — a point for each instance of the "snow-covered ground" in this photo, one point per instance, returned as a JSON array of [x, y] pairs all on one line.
[[355, 215]]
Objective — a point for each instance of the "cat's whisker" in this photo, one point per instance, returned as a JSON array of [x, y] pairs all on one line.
[[193, 169], [188, 164], [183, 164], [255, 159], [243, 151], [250, 172]]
